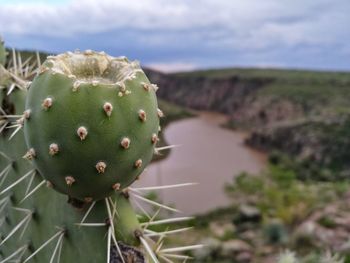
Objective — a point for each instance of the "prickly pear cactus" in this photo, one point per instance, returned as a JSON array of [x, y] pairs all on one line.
[[2, 52], [39, 225], [91, 123], [84, 125]]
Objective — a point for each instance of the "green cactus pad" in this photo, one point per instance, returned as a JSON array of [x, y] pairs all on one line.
[[2, 52], [92, 123], [51, 212]]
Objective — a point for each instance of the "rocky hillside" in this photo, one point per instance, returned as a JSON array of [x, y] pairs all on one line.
[[303, 113], [225, 95]]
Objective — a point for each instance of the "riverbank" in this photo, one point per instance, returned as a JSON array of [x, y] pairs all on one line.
[[171, 113], [208, 155], [304, 114]]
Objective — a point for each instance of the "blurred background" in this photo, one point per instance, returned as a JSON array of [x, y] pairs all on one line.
[[256, 96]]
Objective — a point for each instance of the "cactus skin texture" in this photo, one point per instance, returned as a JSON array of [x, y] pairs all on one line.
[[2, 52], [93, 123]]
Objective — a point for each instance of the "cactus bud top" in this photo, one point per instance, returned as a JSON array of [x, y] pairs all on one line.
[[92, 124]]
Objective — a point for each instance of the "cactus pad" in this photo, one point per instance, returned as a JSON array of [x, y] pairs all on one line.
[[91, 123]]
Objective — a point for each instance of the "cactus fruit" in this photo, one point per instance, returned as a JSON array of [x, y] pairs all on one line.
[[91, 123], [2, 52]]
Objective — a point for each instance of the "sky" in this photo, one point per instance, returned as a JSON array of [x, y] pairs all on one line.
[[180, 35]]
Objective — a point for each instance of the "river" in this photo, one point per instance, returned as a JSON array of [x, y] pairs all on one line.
[[209, 155]]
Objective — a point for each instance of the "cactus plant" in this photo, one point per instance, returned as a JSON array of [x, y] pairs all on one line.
[[38, 224]]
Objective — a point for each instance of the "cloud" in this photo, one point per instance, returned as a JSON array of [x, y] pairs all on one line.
[[242, 18], [202, 32], [90, 16]]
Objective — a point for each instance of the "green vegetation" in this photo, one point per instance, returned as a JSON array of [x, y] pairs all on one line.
[[274, 211], [327, 257], [321, 154], [278, 194], [285, 75]]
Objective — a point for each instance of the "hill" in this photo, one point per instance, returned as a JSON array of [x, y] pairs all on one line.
[[305, 114]]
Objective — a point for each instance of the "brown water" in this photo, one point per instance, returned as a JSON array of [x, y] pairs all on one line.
[[209, 155]]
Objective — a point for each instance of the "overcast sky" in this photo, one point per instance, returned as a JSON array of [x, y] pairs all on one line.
[[183, 34]]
